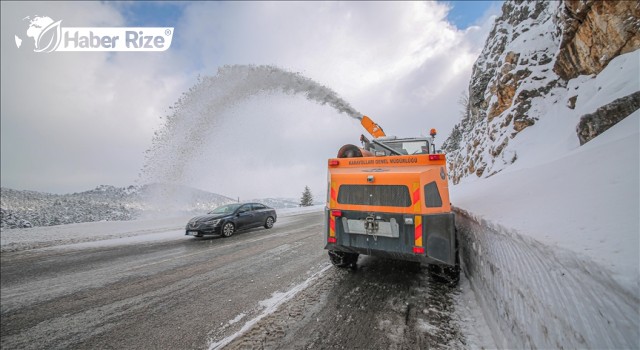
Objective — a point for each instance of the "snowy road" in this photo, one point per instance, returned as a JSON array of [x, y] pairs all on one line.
[[261, 288]]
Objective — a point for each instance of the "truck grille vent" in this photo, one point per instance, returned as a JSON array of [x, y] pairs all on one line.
[[375, 195]]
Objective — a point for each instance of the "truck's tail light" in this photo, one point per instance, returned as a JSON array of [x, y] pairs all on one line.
[[418, 250], [334, 162], [332, 240], [435, 157], [336, 213]]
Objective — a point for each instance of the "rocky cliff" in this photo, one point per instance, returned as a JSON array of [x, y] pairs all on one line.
[[537, 56], [594, 32]]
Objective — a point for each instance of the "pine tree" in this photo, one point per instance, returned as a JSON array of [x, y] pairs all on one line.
[[307, 198]]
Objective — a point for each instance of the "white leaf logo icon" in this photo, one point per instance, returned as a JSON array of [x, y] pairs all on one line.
[[18, 41], [49, 38]]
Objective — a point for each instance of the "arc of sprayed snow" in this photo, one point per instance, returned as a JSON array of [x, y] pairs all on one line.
[[195, 112]]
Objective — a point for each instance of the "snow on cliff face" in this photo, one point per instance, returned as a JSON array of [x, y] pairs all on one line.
[[545, 163], [529, 66]]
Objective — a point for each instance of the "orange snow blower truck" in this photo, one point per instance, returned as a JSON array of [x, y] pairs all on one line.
[[390, 198]]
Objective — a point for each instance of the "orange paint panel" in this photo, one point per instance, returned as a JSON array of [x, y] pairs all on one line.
[[334, 195], [411, 171], [392, 162]]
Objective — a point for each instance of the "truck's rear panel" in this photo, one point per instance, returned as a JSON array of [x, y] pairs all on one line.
[[392, 206]]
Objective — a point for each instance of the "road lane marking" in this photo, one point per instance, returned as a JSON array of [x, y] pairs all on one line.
[[272, 305]]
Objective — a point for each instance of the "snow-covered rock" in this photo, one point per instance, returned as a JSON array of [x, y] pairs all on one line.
[[534, 52], [546, 169], [594, 33]]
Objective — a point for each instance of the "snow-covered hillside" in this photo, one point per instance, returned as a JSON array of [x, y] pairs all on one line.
[[100, 234], [31, 208], [585, 200], [23, 209], [531, 63], [552, 250], [278, 203], [104, 203]]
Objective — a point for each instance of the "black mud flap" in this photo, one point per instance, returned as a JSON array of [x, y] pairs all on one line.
[[446, 273], [440, 234], [342, 259]]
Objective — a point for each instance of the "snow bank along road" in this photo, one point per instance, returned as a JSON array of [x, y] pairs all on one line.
[[542, 297], [261, 288]]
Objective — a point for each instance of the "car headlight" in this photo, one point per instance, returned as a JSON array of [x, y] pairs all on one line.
[[213, 222]]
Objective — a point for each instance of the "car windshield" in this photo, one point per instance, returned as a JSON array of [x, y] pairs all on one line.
[[225, 209]]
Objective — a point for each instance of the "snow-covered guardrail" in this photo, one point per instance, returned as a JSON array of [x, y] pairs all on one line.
[[537, 296]]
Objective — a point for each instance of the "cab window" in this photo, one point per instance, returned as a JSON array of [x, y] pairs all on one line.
[[410, 147], [432, 197]]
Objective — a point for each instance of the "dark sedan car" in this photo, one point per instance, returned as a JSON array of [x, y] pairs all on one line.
[[227, 219]]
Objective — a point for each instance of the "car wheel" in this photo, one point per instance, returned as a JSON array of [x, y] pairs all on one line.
[[342, 259], [269, 222], [228, 229]]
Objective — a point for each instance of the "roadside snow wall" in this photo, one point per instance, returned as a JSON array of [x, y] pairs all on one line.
[[538, 296]]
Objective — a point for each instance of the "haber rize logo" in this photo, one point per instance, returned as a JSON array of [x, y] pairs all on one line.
[[49, 35], [45, 33]]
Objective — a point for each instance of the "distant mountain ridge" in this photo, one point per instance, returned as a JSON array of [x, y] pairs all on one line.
[[278, 203], [23, 208]]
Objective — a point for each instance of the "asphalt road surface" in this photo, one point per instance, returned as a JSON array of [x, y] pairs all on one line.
[[261, 288]]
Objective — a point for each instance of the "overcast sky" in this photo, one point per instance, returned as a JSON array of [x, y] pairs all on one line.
[[73, 120]]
